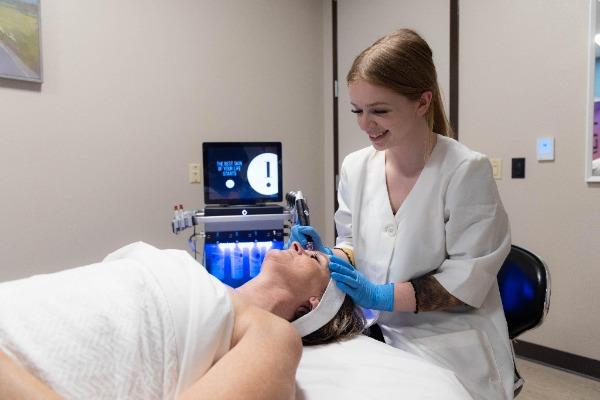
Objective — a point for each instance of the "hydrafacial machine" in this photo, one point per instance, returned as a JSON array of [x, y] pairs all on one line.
[[241, 220]]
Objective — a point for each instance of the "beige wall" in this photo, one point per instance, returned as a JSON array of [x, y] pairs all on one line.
[[96, 157], [521, 77]]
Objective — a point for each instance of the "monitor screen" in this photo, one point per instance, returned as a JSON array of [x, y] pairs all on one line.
[[242, 172]]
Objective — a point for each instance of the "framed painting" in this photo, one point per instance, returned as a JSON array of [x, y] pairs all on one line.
[[20, 44]]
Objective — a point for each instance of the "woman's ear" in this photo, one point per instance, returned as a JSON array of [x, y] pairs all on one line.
[[307, 307], [302, 310], [424, 102]]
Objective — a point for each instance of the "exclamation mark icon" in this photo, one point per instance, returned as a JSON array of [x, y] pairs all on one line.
[[268, 173]]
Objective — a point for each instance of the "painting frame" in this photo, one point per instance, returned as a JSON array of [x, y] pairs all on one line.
[[21, 40], [593, 100]]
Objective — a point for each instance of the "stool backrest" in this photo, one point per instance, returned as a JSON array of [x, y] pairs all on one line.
[[524, 282]]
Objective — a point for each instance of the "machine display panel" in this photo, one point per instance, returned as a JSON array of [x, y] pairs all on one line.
[[242, 172]]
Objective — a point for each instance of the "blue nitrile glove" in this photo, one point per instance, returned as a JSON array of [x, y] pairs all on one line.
[[364, 292], [300, 233]]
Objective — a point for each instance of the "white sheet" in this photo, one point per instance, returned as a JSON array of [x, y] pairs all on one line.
[[140, 325], [363, 368]]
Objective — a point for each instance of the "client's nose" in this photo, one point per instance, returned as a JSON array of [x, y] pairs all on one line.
[[297, 248]]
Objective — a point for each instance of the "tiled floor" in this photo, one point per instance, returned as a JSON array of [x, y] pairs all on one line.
[[546, 383]]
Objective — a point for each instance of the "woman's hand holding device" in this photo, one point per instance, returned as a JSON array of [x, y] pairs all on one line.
[[305, 234]]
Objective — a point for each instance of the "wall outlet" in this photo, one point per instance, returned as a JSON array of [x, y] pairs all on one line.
[[496, 167], [194, 173]]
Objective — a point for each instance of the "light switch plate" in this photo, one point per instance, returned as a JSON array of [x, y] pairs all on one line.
[[194, 172], [496, 167], [545, 149]]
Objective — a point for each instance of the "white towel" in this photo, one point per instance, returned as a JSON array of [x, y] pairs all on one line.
[[143, 324]]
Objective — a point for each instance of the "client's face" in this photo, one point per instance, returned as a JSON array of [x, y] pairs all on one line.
[[305, 273]]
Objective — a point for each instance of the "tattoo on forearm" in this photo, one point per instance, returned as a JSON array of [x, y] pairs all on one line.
[[432, 296]]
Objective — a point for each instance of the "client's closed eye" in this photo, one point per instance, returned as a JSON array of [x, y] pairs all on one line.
[[318, 257]]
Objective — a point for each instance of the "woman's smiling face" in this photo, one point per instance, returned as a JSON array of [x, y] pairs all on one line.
[[385, 116]]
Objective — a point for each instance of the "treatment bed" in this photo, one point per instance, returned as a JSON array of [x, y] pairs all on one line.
[[363, 368]]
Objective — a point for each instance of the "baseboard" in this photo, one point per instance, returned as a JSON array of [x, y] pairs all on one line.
[[559, 359]]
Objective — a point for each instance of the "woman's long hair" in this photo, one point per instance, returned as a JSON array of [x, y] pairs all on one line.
[[403, 62]]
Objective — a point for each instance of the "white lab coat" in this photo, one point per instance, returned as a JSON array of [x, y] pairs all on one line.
[[452, 222]]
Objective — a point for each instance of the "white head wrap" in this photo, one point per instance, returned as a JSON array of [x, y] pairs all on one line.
[[330, 304]]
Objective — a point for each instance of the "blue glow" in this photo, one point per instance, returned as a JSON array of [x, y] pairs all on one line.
[[516, 290], [236, 263]]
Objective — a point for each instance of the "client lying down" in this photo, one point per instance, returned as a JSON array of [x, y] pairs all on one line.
[[153, 324]]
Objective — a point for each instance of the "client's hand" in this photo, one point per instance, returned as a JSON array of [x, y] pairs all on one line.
[[356, 285], [302, 234]]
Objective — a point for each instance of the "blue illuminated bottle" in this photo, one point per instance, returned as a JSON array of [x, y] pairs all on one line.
[[246, 261], [263, 253], [237, 262], [215, 260], [227, 265], [255, 260]]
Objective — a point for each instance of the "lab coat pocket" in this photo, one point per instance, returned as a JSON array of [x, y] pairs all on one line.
[[469, 354]]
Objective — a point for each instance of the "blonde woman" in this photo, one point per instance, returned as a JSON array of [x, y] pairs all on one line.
[[420, 217]]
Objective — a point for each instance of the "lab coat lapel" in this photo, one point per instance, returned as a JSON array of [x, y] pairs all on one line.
[[377, 223]]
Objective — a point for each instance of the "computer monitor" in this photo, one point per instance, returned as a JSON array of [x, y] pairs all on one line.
[[242, 172]]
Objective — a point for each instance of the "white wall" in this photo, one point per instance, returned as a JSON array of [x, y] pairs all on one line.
[[521, 77], [96, 156]]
